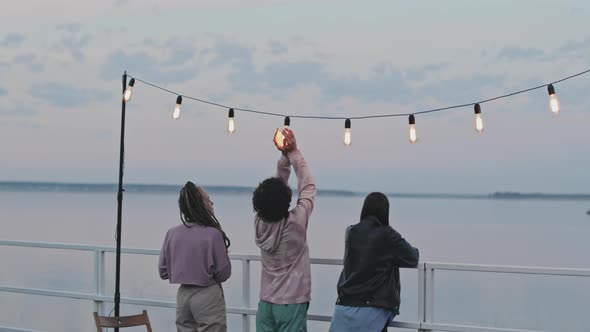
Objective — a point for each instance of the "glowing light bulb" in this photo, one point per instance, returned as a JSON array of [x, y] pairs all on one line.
[[176, 113], [413, 135], [231, 126], [478, 119], [347, 135], [553, 101], [129, 90], [278, 139]]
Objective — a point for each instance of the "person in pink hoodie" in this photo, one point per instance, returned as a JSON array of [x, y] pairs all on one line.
[[281, 235]]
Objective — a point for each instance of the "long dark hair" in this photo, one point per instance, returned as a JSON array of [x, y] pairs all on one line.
[[193, 210], [376, 205]]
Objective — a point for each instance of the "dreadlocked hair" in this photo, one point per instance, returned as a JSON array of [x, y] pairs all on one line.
[[193, 210]]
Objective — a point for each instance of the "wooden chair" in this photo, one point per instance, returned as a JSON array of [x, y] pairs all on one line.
[[123, 321]]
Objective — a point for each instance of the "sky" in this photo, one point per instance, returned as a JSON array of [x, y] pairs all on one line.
[[61, 64]]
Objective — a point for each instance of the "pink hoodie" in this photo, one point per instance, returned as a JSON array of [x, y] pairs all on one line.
[[286, 276]]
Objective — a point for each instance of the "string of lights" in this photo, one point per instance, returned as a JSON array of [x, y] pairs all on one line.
[[554, 106]]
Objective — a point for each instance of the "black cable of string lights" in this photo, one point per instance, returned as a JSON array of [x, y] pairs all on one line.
[[440, 109]]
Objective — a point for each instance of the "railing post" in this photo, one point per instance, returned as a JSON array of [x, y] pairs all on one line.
[[422, 295], [246, 293], [99, 279], [429, 294]]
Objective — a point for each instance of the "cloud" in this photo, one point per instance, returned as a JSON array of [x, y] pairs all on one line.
[[17, 110], [14, 108], [70, 27], [144, 65], [75, 44], [461, 90], [73, 41], [12, 39], [520, 53], [287, 75], [180, 53], [61, 95], [30, 61], [574, 46], [385, 84], [277, 48], [420, 73], [227, 52]]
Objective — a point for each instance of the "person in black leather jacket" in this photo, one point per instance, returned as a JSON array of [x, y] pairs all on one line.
[[369, 285]]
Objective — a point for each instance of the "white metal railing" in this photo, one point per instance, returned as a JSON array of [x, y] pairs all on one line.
[[426, 273]]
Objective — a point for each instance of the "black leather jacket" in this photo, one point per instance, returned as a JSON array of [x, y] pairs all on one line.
[[372, 258]]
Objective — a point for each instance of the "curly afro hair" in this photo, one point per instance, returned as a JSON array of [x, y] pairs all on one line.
[[271, 200]]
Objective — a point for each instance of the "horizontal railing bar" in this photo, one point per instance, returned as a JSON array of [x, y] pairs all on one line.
[[322, 261], [510, 269], [79, 247], [53, 293], [468, 328], [138, 251], [13, 329], [398, 324], [326, 261], [160, 304]]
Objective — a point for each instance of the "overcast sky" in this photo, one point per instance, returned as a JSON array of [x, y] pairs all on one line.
[[60, 84]]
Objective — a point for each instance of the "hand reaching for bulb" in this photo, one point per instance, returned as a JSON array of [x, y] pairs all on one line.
[[285, 141], [289, 141]]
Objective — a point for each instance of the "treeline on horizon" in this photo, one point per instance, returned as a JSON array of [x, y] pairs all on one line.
[[165, 188]]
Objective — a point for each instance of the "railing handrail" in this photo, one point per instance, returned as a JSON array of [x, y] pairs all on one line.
[[425, 285], [555, 271]]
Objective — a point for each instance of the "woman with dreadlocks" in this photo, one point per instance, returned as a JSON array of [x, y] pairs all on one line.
[[194, 255]]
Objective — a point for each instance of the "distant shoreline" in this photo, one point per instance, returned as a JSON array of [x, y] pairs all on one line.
[[22, 186], [18, 186]]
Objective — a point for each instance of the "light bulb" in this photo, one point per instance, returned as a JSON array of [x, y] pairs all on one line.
[[176, 113], [129, 90], [231, 126], [347, 135], [553, 101], [413, 136], [478, 119], [478, 123], [278, 139]]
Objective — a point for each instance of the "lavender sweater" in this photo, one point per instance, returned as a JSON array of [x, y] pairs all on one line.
[[286, 277], [194, 256]]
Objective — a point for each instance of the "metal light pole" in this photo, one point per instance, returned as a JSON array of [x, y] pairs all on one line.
[[120, 203]]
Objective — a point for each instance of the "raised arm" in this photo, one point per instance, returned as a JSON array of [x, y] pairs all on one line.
[[284, 168], [305, 187], [305, 184]]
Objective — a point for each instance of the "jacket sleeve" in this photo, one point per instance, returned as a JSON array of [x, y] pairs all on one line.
[[162, 264], [284, 168], [404, 254], [305, 187], [221, 268]]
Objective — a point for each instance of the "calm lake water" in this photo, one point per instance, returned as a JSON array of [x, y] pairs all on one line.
[[503, 232]]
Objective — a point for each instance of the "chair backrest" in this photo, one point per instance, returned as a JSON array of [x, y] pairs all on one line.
[[123, 321]]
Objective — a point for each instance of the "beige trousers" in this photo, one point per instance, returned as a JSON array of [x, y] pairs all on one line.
[[200, 309]]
